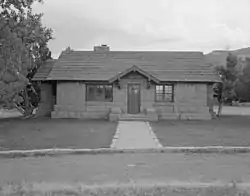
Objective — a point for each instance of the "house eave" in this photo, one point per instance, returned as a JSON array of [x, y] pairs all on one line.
[[134, 68]]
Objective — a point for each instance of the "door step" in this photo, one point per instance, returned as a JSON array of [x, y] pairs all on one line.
[[137, 117]]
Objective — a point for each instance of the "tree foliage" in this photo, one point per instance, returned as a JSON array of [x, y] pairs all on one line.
[[23, 48], [242, 86], [231, 61], [236, 83], [229, 75]]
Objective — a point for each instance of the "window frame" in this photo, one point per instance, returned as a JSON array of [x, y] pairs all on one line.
[[164, 93], [87, 98]]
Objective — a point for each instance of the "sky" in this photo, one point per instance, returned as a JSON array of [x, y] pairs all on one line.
[[157, 25]]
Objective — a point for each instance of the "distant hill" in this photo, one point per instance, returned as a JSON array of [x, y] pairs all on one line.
[[218, 57]]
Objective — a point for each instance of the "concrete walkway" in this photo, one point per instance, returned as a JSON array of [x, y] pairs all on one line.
[[134, 135]]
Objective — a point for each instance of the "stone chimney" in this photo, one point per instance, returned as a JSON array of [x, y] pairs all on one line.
[[102, 48]]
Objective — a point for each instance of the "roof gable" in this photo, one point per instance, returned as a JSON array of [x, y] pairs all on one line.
[[134, 68]]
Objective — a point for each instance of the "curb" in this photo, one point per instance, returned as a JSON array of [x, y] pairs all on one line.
[[58, 151]]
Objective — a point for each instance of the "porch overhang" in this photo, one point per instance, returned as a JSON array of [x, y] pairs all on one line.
[[134, 68]]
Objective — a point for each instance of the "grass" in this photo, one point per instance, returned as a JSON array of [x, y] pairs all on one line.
[[127, 190], [17, 134], [83, 175], [226, 131], [128, 168]]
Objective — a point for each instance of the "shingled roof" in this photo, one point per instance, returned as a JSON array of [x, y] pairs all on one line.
[[103, 66], [44, 70]]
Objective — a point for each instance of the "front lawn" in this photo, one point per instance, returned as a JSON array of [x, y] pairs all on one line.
[[118, 169], [29, 134], [226, 131]]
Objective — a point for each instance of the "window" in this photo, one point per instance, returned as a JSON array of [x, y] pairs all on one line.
[[99, 92], [164, 93]]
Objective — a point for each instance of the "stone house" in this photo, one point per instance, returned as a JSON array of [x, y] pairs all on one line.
[[149, 85]]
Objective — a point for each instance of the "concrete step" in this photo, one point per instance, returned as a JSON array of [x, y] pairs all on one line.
[[169, 116], [137, 117], [197, 116], [79, 115]]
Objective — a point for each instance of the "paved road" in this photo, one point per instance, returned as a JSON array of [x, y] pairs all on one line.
[[124, 168], [135, 135]]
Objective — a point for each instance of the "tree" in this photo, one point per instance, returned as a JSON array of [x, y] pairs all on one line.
[[231, 61], [229, 77], [225, 91], [219, 88], [23, 48], [242, 86]]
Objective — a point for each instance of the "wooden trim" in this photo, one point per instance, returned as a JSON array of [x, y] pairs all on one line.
[[113, 79], [133, 69], [97, 82], [86, 92], [173, 90], [130, 84]]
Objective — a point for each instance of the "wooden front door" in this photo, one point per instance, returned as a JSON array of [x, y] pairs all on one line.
[[134, 98]]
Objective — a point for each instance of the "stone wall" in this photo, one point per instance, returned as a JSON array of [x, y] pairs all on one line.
[[70, 96], [165, 110], [46, 104], [191, 101], [71, 99], [71, 103]]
